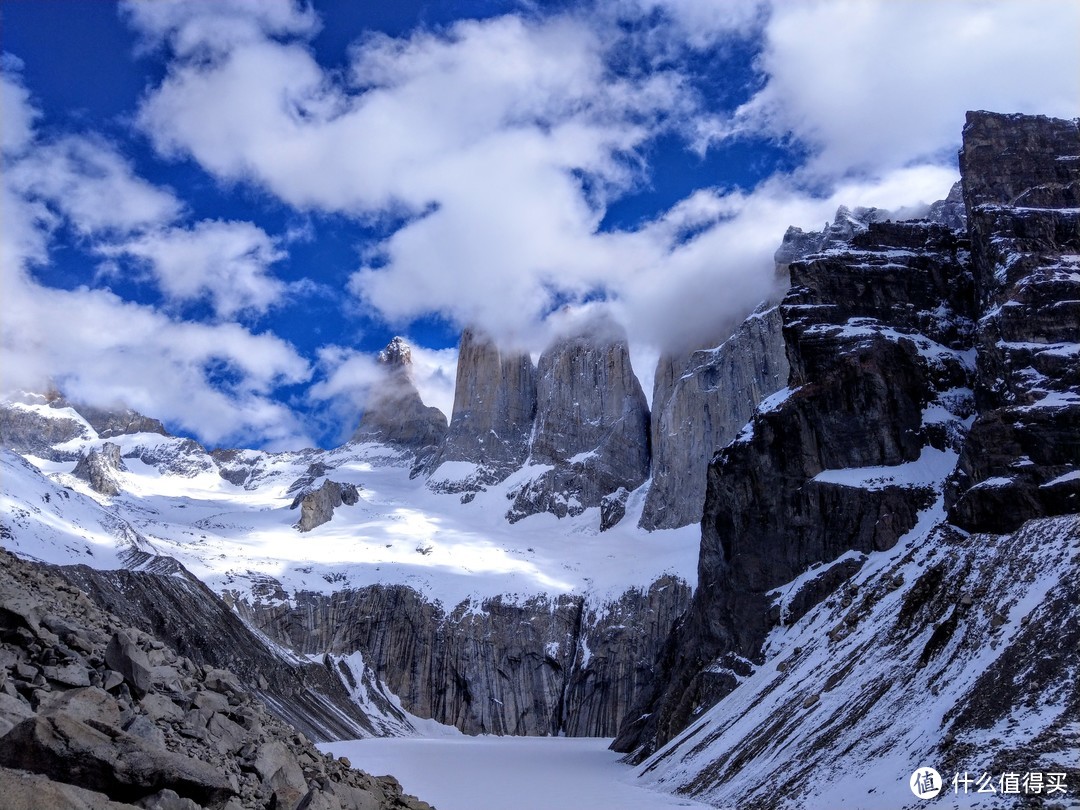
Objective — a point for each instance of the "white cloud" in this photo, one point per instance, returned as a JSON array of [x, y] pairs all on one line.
[[218, 25], [875, 84], [86, 181], [502, 174], [701, 23], [17, 115], [434, 371], [225, 262], [214, 380]]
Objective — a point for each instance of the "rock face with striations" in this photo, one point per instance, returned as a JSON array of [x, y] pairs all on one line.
[[699, 405], [591, 429], [915, 350], [494, 408], [395, 414], [542, 666]]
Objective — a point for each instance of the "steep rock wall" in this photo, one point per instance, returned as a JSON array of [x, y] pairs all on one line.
[[494, 408], [877, 337], [701, 407], [591, 428], [887, 333], [543, 666]]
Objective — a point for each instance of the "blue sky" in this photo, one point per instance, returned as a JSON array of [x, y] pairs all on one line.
[[217, 213]]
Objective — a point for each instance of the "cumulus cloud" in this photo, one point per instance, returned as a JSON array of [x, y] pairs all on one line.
[[875, 84], [501, 177], [17, 115], [226, 263], [218, 25], [216, 381], [87, 182], [490, 150]]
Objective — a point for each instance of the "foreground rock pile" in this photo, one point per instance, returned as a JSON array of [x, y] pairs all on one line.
[[101, 716]]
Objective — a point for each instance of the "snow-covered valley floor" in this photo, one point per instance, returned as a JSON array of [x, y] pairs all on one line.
[[496, 773]]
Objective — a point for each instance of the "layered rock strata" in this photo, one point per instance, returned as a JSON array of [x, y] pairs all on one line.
[[97, 714], [1022, 185]]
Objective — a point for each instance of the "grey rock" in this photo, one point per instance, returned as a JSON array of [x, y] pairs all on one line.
[[30, 791], [13, 710], [278, 768], [613, 508], [317, 506], [221, 680], [395, 414], [700, 408], [99, 467], [494, 408], [952, 211], [592, 425], [65, 749], [117, 421], [167, 800], [124, 656], [146, 730], [30, 431]]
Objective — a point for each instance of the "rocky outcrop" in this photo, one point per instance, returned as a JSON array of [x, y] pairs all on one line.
[[1022, 185], [844, 458], [494, 408], [97, 714], [317, 505], [99, 468], [700, 407], [592, 426], [540, 666], [163, 600], [28, 425], [116, 421], [900, 337], [394, 413]]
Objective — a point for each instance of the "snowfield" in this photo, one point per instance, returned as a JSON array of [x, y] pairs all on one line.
[[242, 539]]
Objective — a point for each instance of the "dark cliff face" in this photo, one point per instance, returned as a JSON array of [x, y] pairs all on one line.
[[894, 338], [1022, 186]]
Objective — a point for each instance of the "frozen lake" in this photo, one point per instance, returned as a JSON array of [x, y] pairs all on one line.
[[495, 773]]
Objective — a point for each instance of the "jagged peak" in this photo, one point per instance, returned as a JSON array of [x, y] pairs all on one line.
[[397, 354]]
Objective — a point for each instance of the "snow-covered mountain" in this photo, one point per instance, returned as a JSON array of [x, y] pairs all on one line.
[[884, 576]]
